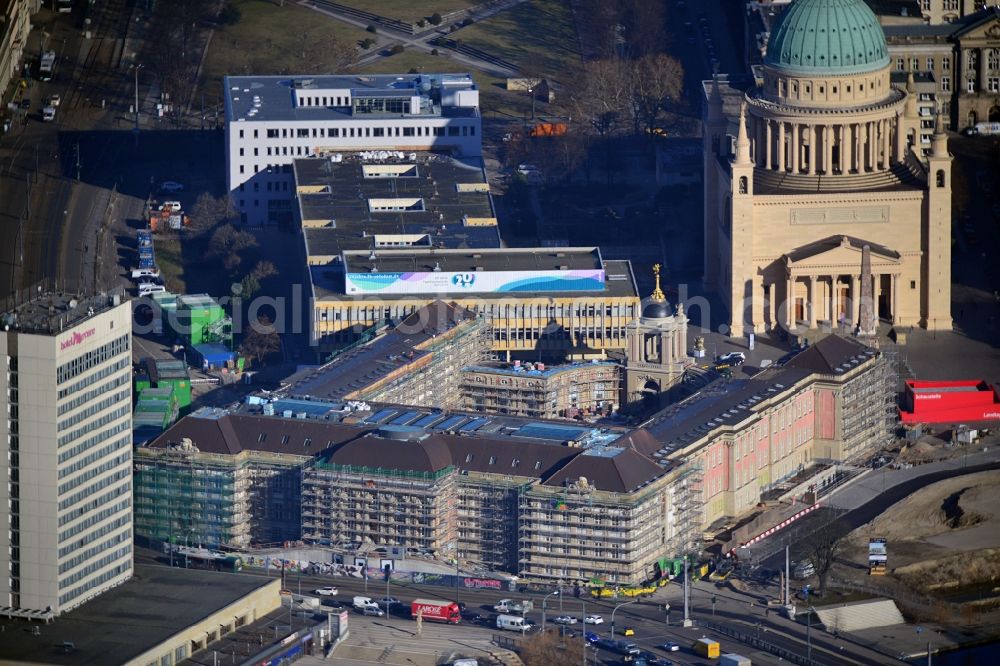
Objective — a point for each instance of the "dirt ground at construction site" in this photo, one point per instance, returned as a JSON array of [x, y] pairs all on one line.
[[942, 541]]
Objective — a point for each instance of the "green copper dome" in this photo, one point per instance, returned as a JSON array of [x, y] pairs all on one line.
[[827, 37]]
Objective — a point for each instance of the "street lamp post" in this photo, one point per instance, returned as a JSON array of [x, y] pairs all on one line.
[[625, 603], [137, 67], [531, 93], [545, 600]]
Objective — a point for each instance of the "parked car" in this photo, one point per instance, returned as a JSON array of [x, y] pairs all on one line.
[[591, 637], [326, 591], [25, 103], [565, 619], [48, 114], [138, 273], [147, 288], [333, 603], [593, 619], [55, 100], [174, 206], [371, 611], [733, 358], [171, 186]]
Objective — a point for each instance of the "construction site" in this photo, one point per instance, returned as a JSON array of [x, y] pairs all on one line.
[[535, 390]]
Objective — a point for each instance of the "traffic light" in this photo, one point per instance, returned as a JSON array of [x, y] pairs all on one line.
[[387, 570]]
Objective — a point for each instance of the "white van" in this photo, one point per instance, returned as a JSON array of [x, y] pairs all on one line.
[[364, 602], [513, 623], [147, 288], [49, 114]]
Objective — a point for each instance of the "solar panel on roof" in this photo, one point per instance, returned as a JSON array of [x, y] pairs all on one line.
[[381, 416], [472, 425], [450, 423], [403, 419], [547, 431], [427, 420]]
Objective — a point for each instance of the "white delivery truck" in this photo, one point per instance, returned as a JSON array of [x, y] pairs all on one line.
[[364, 602], [512, 623], [734, 660]]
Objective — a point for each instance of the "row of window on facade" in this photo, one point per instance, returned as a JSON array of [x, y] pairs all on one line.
[[366, 131]]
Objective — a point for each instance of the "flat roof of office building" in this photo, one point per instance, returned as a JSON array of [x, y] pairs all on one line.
[[128, 620], [447, 202], [270, 98], [54, 312]]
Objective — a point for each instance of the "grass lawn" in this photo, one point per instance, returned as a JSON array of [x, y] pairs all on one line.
[[273, 40], [538, 36], [170, 261], [408, 10]]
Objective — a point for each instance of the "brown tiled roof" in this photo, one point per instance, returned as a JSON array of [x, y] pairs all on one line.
[[517, 458], [231, 434], [623, 472], [430, 454], [641, 440], [827, 354]]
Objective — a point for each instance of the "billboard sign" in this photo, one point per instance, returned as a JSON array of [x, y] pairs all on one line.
[[877, 557], [476, 282]]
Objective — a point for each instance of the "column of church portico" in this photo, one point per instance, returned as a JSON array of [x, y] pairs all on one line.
[[790, 302], [813, 306], [832, 302], [813, 153], [768, 163], [846, 148], [796, 147], [827, 149], [870, 145], [856, 164], [885, 144], [781, 146]]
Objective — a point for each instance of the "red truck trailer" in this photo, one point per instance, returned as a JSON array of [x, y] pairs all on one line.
[[436, 611]]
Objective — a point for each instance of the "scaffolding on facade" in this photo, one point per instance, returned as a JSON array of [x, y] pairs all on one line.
[[384, 506], [869, 405], [577, 532], [487, 521], [688, 503], [180, 496]]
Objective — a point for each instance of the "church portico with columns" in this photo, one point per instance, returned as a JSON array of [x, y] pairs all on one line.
[[812, 161]]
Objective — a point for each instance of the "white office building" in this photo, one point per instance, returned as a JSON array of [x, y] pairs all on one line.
[[65, 452], [272, 120]]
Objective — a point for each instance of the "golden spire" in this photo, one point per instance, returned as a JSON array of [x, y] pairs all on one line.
[[657, 294]]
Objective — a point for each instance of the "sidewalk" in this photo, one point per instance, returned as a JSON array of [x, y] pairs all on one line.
[[869, 485]]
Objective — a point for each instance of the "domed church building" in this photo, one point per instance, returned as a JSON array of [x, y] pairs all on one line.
[[811, 164]]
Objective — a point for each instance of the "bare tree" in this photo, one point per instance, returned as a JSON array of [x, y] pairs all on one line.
[[654, 80], [208, 212], [823, 547], [227, 243], [601, 101], [261, 341], [548, 648]]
